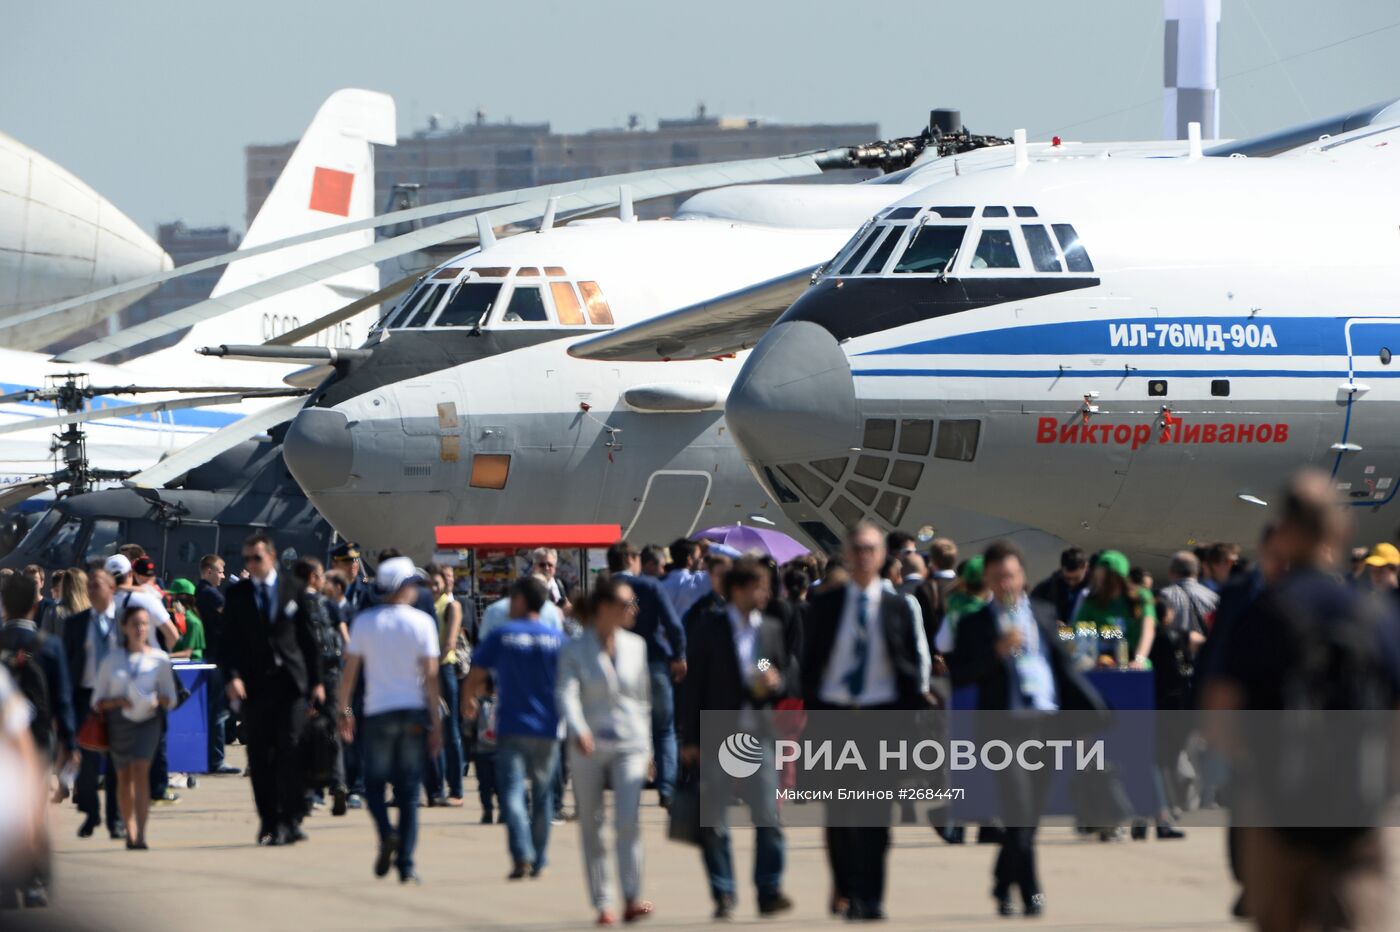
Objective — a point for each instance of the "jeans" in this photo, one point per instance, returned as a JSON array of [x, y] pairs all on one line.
[[394, 746], [353, 753], [218, 716], [445, 771], [520, 759], [485, 758], [759, 793], [663, 727], [160, 765]]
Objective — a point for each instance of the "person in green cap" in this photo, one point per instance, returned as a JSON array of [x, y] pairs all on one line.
[[191, 643], [968, 595], [1123, 614]]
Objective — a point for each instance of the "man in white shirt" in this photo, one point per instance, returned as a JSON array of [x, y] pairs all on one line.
[[397, 646], [861, 652], [132, 594]]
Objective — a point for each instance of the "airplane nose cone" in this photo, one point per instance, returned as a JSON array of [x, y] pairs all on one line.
[[318, 449], [795, 398]]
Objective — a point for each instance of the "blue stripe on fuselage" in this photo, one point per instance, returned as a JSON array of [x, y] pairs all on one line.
[[1157, 336]]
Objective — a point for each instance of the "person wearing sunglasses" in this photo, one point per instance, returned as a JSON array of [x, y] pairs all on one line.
[[272, 665]]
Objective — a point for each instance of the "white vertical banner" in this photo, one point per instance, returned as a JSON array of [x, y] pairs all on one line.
[[1190, 59]]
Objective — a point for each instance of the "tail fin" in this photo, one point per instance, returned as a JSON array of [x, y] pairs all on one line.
[[328, 180]]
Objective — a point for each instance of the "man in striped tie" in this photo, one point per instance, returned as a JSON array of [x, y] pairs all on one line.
[[860, 652]]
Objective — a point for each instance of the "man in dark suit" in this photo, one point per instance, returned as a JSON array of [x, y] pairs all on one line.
[[87, 637], [272, 665], [861, 652], [1010, 650], [738, 661]]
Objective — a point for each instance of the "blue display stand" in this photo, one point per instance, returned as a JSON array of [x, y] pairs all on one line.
[[1131, 738], [187, 731]]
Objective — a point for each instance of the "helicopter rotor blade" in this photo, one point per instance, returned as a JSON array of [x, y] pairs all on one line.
[[172, 404]]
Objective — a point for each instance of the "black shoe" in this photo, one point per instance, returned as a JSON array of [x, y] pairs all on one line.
[[865, 912], [1034, 906], [664, 802], [117, 832], [990, 834], [35, 896], [385, 858], [486, 818], [772, 905], [518, 871], [1239, 910], [1166, 832], [411, 878], [89, 826], [724, 908], [1139, 831], [338, 806], [295, 834], [1004, 905]]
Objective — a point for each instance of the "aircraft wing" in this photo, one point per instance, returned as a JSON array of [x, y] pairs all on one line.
[[206, 448], [1374, 146], [604, 192], [726, 324]]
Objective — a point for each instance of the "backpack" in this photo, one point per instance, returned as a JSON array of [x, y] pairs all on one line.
[[33, 683], [1327, 750]]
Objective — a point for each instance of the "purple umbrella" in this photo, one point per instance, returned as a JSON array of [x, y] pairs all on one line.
[[744, 538]]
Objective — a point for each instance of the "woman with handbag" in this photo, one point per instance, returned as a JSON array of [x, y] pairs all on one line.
[[603, 695], [133, 684]]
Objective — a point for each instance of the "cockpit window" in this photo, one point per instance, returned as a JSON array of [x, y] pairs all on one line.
[[1043, 255], [952, 213], [995, 250], [902, 213], [526, 306], [598, 310], [1075, 256], [411, 312], [853, 257], [566, 304], [424, 308], [994, 212], [881, 253], [932, 250], [469, 305]]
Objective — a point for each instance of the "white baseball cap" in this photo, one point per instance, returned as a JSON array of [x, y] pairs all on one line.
[[117, 565], [395, 573]]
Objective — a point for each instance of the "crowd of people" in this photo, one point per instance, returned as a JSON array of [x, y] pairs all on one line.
[[344, 685]]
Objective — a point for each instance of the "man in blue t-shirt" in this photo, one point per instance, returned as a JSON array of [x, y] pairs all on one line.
[[523, 656]]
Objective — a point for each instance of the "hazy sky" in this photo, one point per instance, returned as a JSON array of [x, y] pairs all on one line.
[[152, 101]]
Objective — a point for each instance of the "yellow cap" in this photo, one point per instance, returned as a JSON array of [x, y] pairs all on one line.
[[1384, 555]]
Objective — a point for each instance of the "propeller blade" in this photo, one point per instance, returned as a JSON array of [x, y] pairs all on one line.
[[12, 495], [173, 404], [28, 394], [344, 313], [645, 185], [460, 205], [206, 448]]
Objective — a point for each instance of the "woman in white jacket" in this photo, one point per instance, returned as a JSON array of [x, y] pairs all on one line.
[[603, 696], [133, 684]]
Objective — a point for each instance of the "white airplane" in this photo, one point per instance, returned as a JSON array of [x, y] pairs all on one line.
[[58, 239], [329, 179], [1126, 353], [471, 410]]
